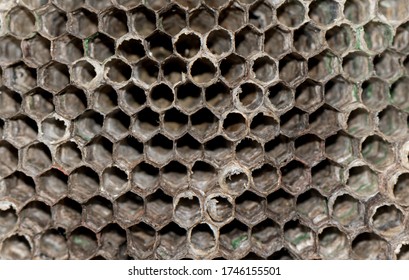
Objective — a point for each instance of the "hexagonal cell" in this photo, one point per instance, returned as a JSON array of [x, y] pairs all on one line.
[[264, 69], [16, 247], [18, 187], [141, 238], [174, 70], [117, 71], [295, 176], [280, 97], [234, 126], [247, 42], [363, 181], [392, 123], [83, 183], [202, 20], [232, 18], [98, 213], [98, 152], [339, 38], [265, 179], [377, 36], [400, 40], [387, 65], [9, 159], [188, 97], [360, 123], [323, 66], [174, 176], [324, 12], [313, 207], [159, 45], [393, 10], [292, 68], [188, 45], [264, 127], [128, 151], [36, 217], [147, 71], [37, 158], [249, 152], [324, 122], [114, 181], [388, 220], [128, 208], [20, 78], [105, 99], [219, 42], [308, 39], [300, 237], [276, 41], [338, 93], [54, 21], [203, 71], [266, 236], [375, 93], [145, 176], [234, 180], [326, 176], [188, 148], [175, 123], [187, 210], [357, 66], [294, 122], [346, 210], [69, 155], [53, 130], [234, 237], [161, 96], [143, 20], [22, 23], [10, 102], [159, 149], [67, 213], [54, 76], [114, 22], [260, 15], [279, 150], [250, 208], [82, 23], [400, 190], [219, 208], [203, 239], [53, 245], [146, 124], [333, 244], [36, 50], [83, 73], [158, 209], [21, 130], [250, 96], [398, 93], [203, 176], [204, 124], [116, 124], [88, 125], [113, 242], [8, 219], [131, 98], [369, 246], [52, 185], [309, 96], [173, 20], [233, 68], [82, 243], [10, 50], [218, 150], [67, 49], [339, 148], [309, 148], [291, 13], [131, 49], [172, 242], [377, 152], [357, 11]]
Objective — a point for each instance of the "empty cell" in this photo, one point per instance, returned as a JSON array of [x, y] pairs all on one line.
[[52, 186], [35, 217], [188, 97], [203, 238], [313, 207], [247, 42], [292, 68], [98, 153], [400, 40], [159, 149], [234, 126], [10, 102], [188, 45], [53, 245], [264, 69], [174, 70], [203, 176], [19, 187], [387, 65], [67, 49], [392, 123], [54, 76], [21, 130], [219, 42], [203, 71], [266, 236], [325, 122], [146, 124], [159, 45], [37, 158], [113, 242], [377, 36], [249, 152], [22, 23], [117, 71], [20, 77], [132, 98], [36, 50], [83, 183], [219, 208], [250, 208], [53, 130], [187, 210], [71, 102], [235, 237], [309, 96], [82, 243], [54, 21], [161, 96], [114, 182], [105, 99], [83, 73], [324, 12], [204, 124], [98, 213], [291, 13], [375, 93], [202, 20], [309, 148], [264, 127], [145, 177], [114, 22], [398, 93], [232, 18], [295, 177], [369, 246], [260, 15], [308, 39], [233, 68], [280, 205], [131, 49], [8, 220], [326, 176], [173, 20], [235, 181], [16, 247], [175, 123], [10, 50], [99, 47], [393, 10], [175, 176], [116, 124], [219, 150], [323, 66], [158, 209], [280, 97], [143, 20], [357, 11], [333, 244], [276, 41], [339, 93], [82, 23], [357, 66], [147, 71], [400, 189], [299, 237], [128, 208], [377, 152], [339, 38], [141, 238], [172, 242], [68, 155], [339, 148], [250, 96], [88, 125], [294, 122], [363, 181], [265, 179], [279, 150], [128, 151], [388, 220], [67, 214]]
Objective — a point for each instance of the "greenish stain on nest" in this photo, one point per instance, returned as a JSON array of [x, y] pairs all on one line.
[[87, 41], [300, 238], [236, 242]]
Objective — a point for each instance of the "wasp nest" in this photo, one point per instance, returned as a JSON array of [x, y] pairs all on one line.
[[206, 129]]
